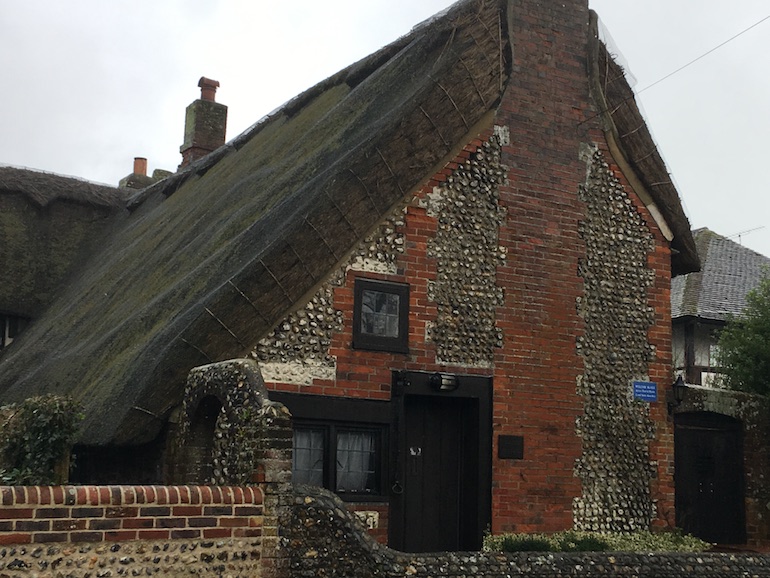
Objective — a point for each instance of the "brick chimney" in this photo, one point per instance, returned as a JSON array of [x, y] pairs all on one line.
[[205, 124]]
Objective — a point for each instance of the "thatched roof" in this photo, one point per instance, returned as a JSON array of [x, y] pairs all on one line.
[[719, 290], [47, 223], [209, 259], [43, 188], [628, 133], [212, 257]]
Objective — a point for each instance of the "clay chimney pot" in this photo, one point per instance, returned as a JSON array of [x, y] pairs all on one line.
[[140, 166], [208, 88]]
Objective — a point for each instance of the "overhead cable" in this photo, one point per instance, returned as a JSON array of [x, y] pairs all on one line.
[[670, 74]]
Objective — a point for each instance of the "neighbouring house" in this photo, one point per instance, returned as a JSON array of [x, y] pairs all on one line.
[[721, 436], [452, 261], [703, 301]]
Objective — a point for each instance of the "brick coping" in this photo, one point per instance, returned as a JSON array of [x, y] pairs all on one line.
[[71, 495]]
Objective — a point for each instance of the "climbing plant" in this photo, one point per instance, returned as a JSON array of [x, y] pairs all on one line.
[[36, 437]]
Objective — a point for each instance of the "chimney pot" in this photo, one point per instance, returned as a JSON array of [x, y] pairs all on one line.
[[208, 88], [140, 166]]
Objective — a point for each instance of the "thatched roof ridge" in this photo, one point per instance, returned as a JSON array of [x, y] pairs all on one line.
[[352, 75], [626, 128], [44, 188], [211, 258]]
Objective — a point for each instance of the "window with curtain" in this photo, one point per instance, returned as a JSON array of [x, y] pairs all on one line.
[[356, 461], [308, 456], [339, 457]]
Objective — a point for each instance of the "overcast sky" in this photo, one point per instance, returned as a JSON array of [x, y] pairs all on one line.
[[90, 84]]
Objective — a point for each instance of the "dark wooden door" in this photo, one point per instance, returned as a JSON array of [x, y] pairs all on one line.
[[709, 477], [440, 473]]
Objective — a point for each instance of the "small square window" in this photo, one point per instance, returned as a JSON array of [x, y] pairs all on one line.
[[381, 316]]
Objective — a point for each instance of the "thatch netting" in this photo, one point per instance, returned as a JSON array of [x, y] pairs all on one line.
[[623, 119], [212, 257], [43, 188]]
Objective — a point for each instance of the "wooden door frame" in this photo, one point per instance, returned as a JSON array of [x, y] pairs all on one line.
[[409, 383]]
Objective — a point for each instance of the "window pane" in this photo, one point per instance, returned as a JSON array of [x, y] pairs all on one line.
[[308, 457], [356, 461], [379, 313]]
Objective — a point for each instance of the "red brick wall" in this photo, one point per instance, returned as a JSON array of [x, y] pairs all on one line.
[[46, 514], [537, 369]]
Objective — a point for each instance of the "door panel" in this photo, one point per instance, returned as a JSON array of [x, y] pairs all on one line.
[[436, 452], [709, 477]]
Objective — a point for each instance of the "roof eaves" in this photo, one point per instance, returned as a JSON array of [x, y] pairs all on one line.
[[634, 146]]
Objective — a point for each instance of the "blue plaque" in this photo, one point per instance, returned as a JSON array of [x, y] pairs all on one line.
[[645, 391]]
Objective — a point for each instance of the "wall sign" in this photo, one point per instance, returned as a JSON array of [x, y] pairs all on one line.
[[646, 391]]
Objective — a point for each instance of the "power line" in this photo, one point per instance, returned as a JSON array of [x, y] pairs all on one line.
[[670, 74]]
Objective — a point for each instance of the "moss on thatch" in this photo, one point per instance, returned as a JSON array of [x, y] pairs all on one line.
[[212, 257]]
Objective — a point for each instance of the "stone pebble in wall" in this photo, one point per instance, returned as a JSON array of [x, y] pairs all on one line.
[[615, 468], [142, 558], [305, 335], [467, 254], [239, 388]]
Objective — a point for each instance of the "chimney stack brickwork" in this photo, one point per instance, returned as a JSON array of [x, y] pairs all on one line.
[[205, 124]]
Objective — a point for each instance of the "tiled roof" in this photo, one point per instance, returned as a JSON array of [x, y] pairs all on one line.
[[718, 291]]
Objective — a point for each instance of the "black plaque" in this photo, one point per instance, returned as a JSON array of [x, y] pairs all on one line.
[[510, 447]]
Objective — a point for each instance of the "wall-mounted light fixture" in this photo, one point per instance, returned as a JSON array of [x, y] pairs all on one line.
[[444, 381], [679, 389]]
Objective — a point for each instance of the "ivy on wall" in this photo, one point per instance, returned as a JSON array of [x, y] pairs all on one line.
[[36, 438]]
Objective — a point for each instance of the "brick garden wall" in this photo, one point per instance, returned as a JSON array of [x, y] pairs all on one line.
[[325, 540], [74, 532], [81, 531]]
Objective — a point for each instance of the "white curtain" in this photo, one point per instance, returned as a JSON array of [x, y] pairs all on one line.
[[355, 461], [308, 457]]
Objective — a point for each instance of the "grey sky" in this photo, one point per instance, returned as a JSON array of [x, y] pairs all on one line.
[[89, 84]]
